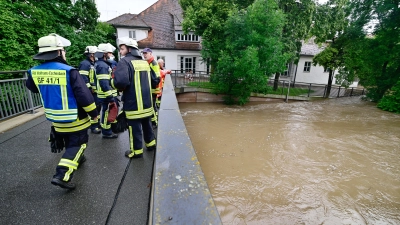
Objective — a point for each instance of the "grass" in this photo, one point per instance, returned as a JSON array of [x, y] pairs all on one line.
[[279, 91]]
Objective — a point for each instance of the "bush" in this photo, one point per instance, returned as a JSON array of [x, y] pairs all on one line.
[[391, 100]]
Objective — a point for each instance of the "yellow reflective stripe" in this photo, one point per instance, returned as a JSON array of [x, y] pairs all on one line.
[[68, 174], [73, 129], [138, 89], [105, 124], [90, 107], [64, 97], [112, 84], [72, 124], [58, 117], [84, 72], [131, 139], [139, 114], [152, 143], [95, 121], [88, 85], [156, 69], [103, 76], [138, 152], [60, 112], [68, 163]]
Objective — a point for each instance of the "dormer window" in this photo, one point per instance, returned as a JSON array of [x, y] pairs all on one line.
[[179, 36]]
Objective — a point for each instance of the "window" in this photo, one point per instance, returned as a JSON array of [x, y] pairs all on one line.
[[307, 66], [163, 58], [188, 63], [326, 70], [132, 34], [286, 72], [186, 37]]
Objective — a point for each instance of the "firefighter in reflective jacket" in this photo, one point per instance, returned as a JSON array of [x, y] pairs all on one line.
[[134, 77], [87, 70], [148, 56], [67, 103], [163, 73], [105, 93]]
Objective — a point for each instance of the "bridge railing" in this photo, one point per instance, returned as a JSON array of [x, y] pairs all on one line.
[[180, 78], [15, 98]]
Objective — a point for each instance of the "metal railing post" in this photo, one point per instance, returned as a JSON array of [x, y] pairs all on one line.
[[338, 94], [351, 93], [325, 91], [309, 90]]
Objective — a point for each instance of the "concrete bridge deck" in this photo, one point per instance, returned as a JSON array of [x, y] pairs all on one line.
[[111, 189]]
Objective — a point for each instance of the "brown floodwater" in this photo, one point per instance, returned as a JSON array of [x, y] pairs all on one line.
[[323, 162]]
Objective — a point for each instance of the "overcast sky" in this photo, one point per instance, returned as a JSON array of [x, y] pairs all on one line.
[[110, 9]]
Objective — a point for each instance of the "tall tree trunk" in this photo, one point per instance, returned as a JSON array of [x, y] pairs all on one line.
[[276, 81], [330, 79]]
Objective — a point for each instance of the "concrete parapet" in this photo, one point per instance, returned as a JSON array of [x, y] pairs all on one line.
[[180, 194]]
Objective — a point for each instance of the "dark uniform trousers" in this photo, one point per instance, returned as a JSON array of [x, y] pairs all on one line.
[[95, 123], [75, 145], [136, 135], [154, 118], [105, 126]]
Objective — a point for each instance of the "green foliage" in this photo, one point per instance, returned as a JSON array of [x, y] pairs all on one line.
[[391, 100], [241, 63], [22, 23], [372, 46]]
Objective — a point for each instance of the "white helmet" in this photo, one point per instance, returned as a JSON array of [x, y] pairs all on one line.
[[48, 46], [52, 42], [90, 49], [128, 42], [105, 48]]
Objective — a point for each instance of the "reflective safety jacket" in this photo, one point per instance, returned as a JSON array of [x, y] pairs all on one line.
[[156, 68], [103, 75], [66, 99], [87, 70], [163, 73], [134, 76]]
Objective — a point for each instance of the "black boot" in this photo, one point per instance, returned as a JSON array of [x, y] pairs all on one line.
[[67, 185]]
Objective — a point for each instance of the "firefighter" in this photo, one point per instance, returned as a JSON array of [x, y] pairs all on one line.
[[106, 94], [87, 70], [148, 56], [134, 77], [163, 73], [67, 103]]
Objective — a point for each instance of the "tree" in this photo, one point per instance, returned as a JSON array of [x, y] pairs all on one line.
[[22, 23], [299, 15], [245, 60], [242, 63], [375, 52], [330, 24]]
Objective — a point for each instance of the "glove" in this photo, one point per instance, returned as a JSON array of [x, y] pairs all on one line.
[[56, 141], [121, 124]]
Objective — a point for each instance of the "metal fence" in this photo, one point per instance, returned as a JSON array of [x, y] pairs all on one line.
[[15, 98], [182, 79]]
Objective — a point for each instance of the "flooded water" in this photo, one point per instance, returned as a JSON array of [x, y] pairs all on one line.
[[323, 162]]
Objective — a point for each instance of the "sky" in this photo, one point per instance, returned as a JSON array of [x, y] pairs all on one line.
[[110, 9]]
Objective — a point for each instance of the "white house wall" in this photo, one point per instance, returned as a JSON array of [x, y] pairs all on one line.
[[172, 58], [124, 32], [316, 74]]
